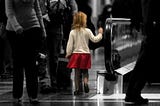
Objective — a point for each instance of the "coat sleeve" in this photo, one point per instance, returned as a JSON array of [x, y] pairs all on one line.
[[39, 15]]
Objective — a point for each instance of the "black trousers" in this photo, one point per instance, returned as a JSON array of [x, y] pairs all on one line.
[[147, 67], [54, 44], [24, 51]]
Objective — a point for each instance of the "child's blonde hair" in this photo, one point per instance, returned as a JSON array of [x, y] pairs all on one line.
[[79, 20]]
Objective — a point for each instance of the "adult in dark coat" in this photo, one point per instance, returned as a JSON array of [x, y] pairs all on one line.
[[146, 67], [106, 13]]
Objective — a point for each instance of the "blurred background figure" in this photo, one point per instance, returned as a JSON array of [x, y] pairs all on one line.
[[57, 18], [106, 13], [5, 50], [146, 68], [43, 74]]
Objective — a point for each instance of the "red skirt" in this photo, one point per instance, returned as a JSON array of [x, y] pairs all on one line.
[[80, 60]]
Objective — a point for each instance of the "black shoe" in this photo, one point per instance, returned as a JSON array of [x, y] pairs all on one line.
[[86, 88], [136, 100], [77, 92], [33, 101]]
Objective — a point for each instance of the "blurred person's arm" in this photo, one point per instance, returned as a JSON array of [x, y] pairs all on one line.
[[74, 6], [40, 18], [10, 13]]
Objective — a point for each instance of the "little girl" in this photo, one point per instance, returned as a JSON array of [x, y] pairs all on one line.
[[78, 51]]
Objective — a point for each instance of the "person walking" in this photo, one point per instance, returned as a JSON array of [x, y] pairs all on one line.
[[78, 51], [25, 31], [146, 68], [55, 36]]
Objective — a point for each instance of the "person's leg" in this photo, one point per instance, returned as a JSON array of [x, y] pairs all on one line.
[[43, 75], [137, 82], [85, 80], [53, 46], [77, 81], [1, 56], [8, 64], [81, 82], [16, 42], [32, 42], [31, 76]]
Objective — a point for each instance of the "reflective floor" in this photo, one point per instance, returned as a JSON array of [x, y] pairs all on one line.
[[66, 98]]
